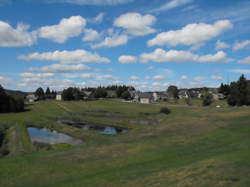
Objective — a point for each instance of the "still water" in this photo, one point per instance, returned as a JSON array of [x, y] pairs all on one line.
[[51, 137]]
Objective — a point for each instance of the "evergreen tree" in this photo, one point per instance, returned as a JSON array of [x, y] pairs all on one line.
[[39, 93], [48, 91]]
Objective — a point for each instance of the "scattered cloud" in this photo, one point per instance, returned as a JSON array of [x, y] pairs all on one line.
[[245, 60], [90, 35], [241, 45], [98, 19], [4, 81], [199, 79], [136, 24], [15, 37], [87, 76], [184, 77], [171, 4], [221, 45], [35, 75], [92, 2], [161, 56], [134, 78], [67, 28], [66, 57], [241, 71], [60, 68], [127, 59], [216, 77], [191, 34], [112, 41], [158, 77]]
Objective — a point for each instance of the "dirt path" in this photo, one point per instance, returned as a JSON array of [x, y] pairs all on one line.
[[64, 107]]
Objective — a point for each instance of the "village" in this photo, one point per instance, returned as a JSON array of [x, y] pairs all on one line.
[[138, 96]]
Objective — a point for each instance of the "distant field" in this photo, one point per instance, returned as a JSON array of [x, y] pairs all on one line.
[[192, 146]]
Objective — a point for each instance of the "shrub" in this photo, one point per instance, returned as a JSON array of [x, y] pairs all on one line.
[[165, 110], [207, 99]]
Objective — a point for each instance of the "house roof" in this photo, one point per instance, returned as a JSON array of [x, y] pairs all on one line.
[[146, 95]]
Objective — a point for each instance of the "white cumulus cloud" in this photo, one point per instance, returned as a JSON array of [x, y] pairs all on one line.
[[112, 41], [127, 59], [66, 57], [161, 56], [191, 34], [136, 24], [60, 68], [15, 37], [67, 28], [90, 35]]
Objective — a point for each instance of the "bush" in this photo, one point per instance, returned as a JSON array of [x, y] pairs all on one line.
[[165, 110], [207, 99]]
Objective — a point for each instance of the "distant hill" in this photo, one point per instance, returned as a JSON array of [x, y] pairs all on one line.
[[16, 93]]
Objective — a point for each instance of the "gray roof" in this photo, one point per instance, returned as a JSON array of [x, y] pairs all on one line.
[[146, 95]]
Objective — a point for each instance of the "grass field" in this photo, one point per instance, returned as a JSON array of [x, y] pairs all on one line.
[[192, 146]]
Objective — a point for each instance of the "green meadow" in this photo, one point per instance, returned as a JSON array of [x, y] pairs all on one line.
[[191, 146]]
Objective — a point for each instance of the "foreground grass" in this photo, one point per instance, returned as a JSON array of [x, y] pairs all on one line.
[[193, 146]]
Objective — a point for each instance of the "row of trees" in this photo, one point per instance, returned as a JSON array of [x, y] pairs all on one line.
[[10, 104], [237, 93], [100, 92], [45, 95]]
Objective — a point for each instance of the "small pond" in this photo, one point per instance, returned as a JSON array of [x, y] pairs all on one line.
[[111, 131], [100, 129], [51, 137]]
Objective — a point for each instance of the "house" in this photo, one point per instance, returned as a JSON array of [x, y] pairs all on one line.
[[218, 96], [59, 96], [160, 96], [183, 94], [146, 98], [87, 94], [31, 97]]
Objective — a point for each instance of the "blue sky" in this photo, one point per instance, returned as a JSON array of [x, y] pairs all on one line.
[[147, 44]]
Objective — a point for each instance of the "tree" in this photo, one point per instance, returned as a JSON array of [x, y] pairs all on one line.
[[224, 89], [4, 105], [48, 91], [126, 95], [207, 99], [173, 91], [243, 91], [39, 93], [239, 92], [232, 99], [71, 94], [67, 94], [100, 93], [10, 104]]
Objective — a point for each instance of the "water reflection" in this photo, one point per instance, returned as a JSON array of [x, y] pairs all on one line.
[[51, 137]]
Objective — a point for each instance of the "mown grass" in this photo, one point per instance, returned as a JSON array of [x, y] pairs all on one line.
[[192, 146]]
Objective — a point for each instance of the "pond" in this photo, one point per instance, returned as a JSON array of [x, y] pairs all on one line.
[[112, 131], [100, 129], [51, 137]]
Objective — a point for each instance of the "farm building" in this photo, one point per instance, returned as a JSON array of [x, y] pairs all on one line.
[[59, 96], [146, 98], [31, 97]]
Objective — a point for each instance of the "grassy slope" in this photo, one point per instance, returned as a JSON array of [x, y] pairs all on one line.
[[193, 146]]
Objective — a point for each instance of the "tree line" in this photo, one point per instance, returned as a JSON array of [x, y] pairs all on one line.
[[9, 103], [237, 93], [99, 92]]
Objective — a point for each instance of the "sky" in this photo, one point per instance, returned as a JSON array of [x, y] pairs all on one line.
[[146, 44]]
